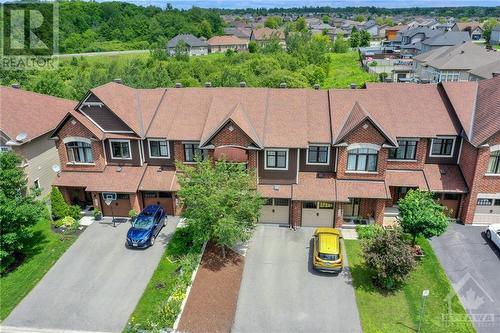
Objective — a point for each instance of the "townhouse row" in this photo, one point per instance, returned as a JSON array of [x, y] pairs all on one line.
[[322, 157]]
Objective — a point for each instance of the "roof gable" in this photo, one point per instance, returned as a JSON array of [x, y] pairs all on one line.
[[355, 118]]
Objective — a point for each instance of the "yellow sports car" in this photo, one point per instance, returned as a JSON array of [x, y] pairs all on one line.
[[327, 254]]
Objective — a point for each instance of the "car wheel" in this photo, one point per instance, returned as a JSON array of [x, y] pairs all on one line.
[[152, 240], [488, 234]]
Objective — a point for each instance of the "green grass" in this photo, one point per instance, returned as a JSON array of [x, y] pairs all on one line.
[[496, 47], [345, 69], [151, 308], [399, 311], [18, 283]]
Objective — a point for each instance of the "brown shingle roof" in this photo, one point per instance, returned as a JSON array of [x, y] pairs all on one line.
[[407, 178], [226, 40], [462, 96], [487, 115], [310, 187], [399, 108], [29, 112], [444, 178], [275, 191], [157, 179], [110, 180], [267, 33], [361, 189]]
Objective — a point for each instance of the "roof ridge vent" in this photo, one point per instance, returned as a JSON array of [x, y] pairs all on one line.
[[316, 86], [16, 86], [208, 84], [283, 85], [243, 84], [118, 80], [178, 85], [353, 85]]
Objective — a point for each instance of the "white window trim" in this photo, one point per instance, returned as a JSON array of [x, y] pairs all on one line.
[[76, 139], [184, 150], [111, 149], [327, 156], [452, 146], [363, 145], [276, 149], [159, 157], [494, 148]]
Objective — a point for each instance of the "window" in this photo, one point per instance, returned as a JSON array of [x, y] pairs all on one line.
[[281, 202], [484, 202], [447, 76], [276, 159], [120, 149], [494, 163], [406, 150], [79, 152], [451, 196], [149, 195], [191, 150], [497, 202], [442, 147], [158, 148], [122, 196], [309, 204], [318, 154], [325, 205], [4, 149], [362, 159], [268, 202], [36, 183]]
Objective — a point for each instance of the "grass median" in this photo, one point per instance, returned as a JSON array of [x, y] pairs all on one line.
[[399, 311]]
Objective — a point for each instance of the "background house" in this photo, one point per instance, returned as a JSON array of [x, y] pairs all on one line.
[[473, 28], [495, 35], [220, 44], [26, 120], [194, 46]]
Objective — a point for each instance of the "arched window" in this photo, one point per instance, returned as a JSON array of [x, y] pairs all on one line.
[[362, 159], [79, 152]]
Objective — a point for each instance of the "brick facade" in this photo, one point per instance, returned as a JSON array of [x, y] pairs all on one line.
[[480, 182], [73, 128], [419, 162], [365, 133], [232, 135], [296, 214]]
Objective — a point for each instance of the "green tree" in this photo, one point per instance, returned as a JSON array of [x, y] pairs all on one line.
[[364, 38], [355, 39], [300, 24], [389, 257], [360, 18], [19, 211], [421, 215], [442, 20], [252, 46], [488, 26], [181, 51], [220, 200], [325, 19], [340, 45], [206, 29], [273, 22], [59, 207]]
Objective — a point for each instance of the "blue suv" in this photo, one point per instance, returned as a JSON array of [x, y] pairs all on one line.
[[146, 227]]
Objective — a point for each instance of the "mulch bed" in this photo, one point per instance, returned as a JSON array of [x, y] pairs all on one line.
[[211, 305]]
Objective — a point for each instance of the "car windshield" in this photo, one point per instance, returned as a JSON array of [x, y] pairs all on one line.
[[329, 257], [143, 221]]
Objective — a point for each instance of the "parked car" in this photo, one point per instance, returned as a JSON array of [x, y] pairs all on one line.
[[146, 227], [327, 254], [493, 234]]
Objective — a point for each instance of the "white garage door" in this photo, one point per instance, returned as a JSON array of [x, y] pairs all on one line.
[[487, 210], [275, 211], [317, 214]]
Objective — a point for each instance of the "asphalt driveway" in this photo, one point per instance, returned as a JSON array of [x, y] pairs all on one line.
[[95, 285], [473, 266], [281, 293]]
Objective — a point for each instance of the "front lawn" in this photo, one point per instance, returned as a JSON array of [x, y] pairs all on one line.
[[399, 311], [49, 246], [162, 298], [345, 69]]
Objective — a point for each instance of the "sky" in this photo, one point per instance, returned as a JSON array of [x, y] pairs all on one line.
[[184, 4]]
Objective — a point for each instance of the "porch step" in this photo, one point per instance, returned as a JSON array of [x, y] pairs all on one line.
[[348, 226]]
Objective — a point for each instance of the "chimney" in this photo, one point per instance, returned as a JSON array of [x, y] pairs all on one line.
[[353, 85], [495, 74], [118, 80], [16, 86], [208, 84], [316, 86], [283, 85], [178, 85], [243, 84]]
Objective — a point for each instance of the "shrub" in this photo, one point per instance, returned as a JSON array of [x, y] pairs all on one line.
[[67, 222], [368, 231], [389, 257], [60, 208], [181, 243], [97, 213], [74, 212], [132, 213]]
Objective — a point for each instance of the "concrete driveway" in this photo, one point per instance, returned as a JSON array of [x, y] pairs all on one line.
[[473, 266], [95, 285], [281, 293]]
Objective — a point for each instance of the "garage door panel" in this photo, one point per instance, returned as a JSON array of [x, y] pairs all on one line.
[[320, 216], [164, 199], [118, 208], [275, 211]]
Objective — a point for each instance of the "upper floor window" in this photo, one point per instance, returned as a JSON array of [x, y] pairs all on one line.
[[79, 152], [158, 148], [494, 163], [406, 151], [318, 154], [362, 159], [449, 76], [191, 150], [4, 149], [276, 159], [120, 149], [442, 147]]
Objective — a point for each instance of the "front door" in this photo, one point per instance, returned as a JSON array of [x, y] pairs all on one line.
[[351, 209]]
